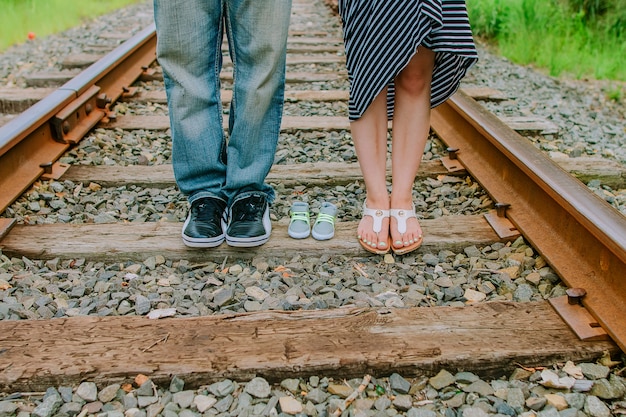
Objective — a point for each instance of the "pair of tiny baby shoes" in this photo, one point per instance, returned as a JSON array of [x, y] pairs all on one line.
[[300, 223]]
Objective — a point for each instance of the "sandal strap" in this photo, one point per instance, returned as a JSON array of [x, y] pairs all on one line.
[[378, 215], [401, 216]]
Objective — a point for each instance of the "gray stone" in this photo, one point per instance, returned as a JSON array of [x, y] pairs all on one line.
[[457, 400], [7, 408], [442, 380], [222, 388], [113, 406], [466, 377], [48, 406], [523, 293], [569, 412], [430, 259], [536, 403], [291, 384], [176, 384], [129, 401], [154, 409], [506, 409], [70, 408], [184, 399], [224, 404], [187, 413], [548, 412], [87, 391], [258, 387], [363, 404], [382, 403], [204, 402], [144, 401], [146, 389], [594, 371], [142, 305], [575, 400], [244, 401], [402, 402], [223, 296], [603, 389], [480, 387], [317, 396], [472, 252], [420, 412], [595, 407], [308, 410], [134, 412], [515, 398], [108, 393], [399, 384], [270, 407]]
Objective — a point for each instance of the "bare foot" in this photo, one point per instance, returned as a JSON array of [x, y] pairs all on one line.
[[375, 214], [403, 217]]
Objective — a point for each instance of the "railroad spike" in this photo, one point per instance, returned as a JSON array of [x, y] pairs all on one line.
[[452, 152], [575, 295], [501, 209], [47, 167]]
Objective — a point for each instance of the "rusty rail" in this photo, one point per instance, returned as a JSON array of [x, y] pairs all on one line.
[[581, 236], [31, 143]]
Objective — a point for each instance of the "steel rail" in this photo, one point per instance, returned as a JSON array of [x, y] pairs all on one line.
[[40, 135], [580, 235]]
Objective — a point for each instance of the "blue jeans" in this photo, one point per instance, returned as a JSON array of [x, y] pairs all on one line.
[[189, 49]]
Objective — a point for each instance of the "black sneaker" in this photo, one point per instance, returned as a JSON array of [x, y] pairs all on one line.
[[249, 221], [205, 224]]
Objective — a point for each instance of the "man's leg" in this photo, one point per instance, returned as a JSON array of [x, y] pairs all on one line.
[[189, 34], [257, 32]]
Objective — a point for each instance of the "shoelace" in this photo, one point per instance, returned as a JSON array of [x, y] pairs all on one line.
[[323, 217], [205, 212], [248, 211], [298, 215]]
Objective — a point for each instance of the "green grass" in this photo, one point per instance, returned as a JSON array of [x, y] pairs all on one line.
[[548, 34], [18, 18]]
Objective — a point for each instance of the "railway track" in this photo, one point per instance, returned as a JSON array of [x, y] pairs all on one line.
[[580, 237]]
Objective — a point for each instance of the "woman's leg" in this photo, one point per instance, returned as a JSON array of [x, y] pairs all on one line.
[[411, 126], [370, 141]]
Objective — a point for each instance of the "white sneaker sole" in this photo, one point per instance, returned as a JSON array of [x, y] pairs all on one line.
[[203, 242]]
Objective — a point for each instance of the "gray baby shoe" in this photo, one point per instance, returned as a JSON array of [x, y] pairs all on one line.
[[299, 225], [324, 227]]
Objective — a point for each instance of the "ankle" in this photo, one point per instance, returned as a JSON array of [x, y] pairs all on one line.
[[401, 202], [377, 202]]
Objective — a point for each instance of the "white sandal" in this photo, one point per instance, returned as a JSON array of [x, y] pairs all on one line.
[[378, 216], [401, 216]]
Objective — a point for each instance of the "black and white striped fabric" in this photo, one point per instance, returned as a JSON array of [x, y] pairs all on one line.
[[381, 37]]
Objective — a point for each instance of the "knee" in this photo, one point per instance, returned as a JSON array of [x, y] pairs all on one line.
[[413, 81]]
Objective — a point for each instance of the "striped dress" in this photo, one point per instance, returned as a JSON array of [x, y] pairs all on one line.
[[381, 37]]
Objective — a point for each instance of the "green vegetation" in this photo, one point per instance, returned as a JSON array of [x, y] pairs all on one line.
[[20, 19], [577, 38]]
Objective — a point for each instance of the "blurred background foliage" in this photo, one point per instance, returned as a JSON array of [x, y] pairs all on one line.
[[23, 20], [576, 38]]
